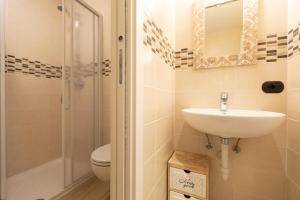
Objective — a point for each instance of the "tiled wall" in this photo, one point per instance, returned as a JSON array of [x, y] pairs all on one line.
[[158, 97], [261, 158], [157, 42], [260, 170], [293, 107]]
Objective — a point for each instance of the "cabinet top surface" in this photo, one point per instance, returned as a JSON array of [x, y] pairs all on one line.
[[190, 161]]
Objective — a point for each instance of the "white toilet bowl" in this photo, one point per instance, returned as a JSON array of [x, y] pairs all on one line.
[[100, 161]]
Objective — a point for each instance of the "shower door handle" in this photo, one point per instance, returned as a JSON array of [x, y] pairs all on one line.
[[121, 66]]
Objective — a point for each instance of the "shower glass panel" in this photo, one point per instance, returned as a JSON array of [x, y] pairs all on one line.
[[81, 90], [33, 67]]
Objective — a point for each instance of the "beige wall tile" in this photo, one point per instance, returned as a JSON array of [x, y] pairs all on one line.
[[293, 106], [270, 11], [293, 72], [293, 13], [159, 192], [156, 10], [293, 166], [159, 84], [150, 131], [163, 155], [293, 191], [150, 104], [44, 41], [164, 132], [149, 179], [293, 111], [33, 121], [293, 135], [158, 124]]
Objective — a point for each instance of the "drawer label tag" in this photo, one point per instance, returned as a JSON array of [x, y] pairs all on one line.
[[187, 183], [191, 183]]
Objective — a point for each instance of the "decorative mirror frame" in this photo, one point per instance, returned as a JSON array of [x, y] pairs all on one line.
[[247, 55]]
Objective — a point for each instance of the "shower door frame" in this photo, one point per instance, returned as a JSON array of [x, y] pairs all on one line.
[[98, 118], [3, 178], [2, 103]]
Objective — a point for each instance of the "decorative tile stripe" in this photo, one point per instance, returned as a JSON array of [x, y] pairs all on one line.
[[36, 68], [158, 43], [273, 48], [184, 58], [294, 41], [106, 67]]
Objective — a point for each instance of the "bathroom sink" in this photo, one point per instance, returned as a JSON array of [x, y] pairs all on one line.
[[233, 123]]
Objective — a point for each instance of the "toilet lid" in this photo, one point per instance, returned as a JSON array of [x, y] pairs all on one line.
[[101, 154]]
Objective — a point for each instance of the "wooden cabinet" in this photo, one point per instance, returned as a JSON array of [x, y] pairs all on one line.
[[188, 176]]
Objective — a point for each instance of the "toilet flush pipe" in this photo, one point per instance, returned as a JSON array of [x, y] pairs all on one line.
[[225, 155]]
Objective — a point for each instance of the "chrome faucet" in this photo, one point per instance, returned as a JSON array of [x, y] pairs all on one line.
[[224, 101]]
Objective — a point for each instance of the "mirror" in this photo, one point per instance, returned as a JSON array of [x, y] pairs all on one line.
[[224, 33], [223, 38]]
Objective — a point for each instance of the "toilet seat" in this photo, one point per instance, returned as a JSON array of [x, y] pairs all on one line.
[[101, 156]]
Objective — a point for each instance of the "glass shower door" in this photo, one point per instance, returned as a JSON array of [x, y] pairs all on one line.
[[82, 91]]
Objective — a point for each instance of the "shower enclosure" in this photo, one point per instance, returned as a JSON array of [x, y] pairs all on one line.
[[82, 89], [52, 94]]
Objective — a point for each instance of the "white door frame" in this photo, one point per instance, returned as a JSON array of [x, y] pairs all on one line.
[[2, 102], [134, 100], [126, 152], [118, 99]]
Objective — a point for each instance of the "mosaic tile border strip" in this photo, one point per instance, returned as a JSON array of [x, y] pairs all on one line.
[[106, 67], [184, 58], [294, 41], [158, 43], [36, 68], [273, 48]]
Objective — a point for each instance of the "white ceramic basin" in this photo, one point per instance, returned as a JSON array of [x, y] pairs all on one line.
[[233, 123]]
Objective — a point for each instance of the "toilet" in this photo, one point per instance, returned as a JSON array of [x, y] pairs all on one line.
[[100, 161]]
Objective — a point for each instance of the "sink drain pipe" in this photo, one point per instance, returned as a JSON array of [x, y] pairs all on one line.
[[225, 157]]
